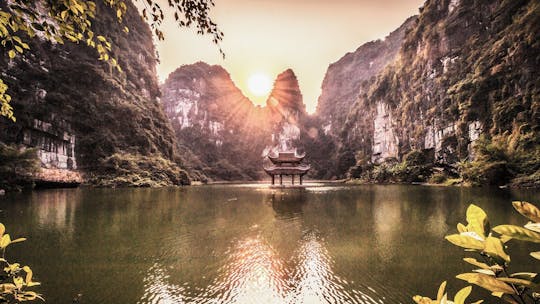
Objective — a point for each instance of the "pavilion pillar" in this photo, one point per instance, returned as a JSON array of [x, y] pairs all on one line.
[[273, 179], [301, 179], [292, 179], [281, 179]]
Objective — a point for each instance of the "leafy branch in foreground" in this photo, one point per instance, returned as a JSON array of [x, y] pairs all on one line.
[[13, 286], [442, 297], [492, 266], [71, 20]]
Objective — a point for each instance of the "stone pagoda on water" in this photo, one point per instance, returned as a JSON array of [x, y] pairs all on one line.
[[287, 164]]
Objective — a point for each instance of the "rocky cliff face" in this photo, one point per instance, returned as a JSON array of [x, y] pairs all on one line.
[[465, 70], [343, 79], [285, 111], [227, 134], [109, 125]]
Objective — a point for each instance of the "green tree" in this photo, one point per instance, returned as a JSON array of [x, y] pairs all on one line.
[[71, 20]]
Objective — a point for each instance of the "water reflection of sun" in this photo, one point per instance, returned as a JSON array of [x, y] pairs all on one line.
[[255, 273]]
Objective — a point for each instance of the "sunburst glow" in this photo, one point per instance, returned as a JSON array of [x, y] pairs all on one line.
[[259, 84]]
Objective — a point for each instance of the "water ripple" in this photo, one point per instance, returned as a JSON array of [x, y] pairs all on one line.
[[254, 273]]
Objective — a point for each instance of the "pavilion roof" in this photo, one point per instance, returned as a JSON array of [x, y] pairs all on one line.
[[286, 157]]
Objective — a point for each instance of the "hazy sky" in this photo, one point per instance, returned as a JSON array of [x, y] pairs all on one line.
[[269, 36]]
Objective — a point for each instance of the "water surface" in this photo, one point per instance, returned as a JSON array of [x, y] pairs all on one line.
[[249, 243]]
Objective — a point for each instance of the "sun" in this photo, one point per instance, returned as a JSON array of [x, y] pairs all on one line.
[[259, 84]]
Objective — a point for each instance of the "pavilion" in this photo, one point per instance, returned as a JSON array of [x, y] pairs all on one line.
[[288, 164]]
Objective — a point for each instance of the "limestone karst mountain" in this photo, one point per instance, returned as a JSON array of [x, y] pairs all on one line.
[[343, 78], [457, 83], [466, 71], [82, 115], [285, 111], [225, 132]]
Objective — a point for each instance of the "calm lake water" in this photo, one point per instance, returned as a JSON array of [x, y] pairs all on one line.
[[249, 243]]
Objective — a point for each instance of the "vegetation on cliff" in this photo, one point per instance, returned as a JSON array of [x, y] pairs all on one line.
[[72, 20], [109, 112], [465, 68], [17, 166]]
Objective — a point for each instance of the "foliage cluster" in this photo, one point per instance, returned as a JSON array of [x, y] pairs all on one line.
[[17, 166], [15, 280], [414, 167], [503, 159], [135, 170], [491, 261]]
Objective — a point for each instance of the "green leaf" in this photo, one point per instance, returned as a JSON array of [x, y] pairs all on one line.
[[528, 210], [465, 241], [462, 295], [494, 247], [519, 233], [487, 282]]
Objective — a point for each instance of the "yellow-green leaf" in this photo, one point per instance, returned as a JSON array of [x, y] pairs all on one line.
[[487, 282], [530, 276], [462, 295], [5, 241], [18, 240], [477, 220], [528, 210], [535, 255], [519, 233], [440, 293], [422, 300], [485, 271], [474, 262], [465, 241], [494, 247], [516, 281], [18, 281], [11, 54], [533, 226], [2, 227]]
